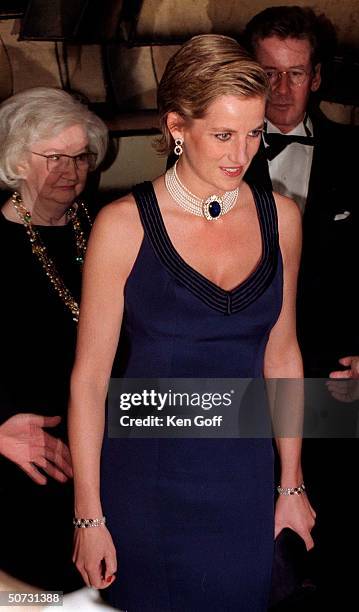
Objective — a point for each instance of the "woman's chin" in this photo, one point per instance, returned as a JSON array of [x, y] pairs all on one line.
[[65, 194]]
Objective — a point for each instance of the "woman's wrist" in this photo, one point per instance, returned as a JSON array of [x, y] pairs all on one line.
[[291, 478], [83, 523], [297, 490], [87, 501], [88, 508]]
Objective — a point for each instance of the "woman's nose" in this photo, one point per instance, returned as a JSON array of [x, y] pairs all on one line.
[[70, 169], [239, 153]]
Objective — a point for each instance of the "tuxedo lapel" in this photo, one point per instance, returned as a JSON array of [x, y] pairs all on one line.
[[333, 170], [327, 300], [323, 178], [316, 174], [258, 171]]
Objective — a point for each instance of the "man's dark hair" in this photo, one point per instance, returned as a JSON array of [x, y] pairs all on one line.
[[293, 22]]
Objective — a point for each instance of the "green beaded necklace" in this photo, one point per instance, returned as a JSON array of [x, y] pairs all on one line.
[[39, 249]]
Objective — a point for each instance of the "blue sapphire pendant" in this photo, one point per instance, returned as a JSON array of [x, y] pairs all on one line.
[[212, 208]]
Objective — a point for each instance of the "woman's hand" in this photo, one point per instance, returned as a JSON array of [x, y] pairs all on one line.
[[24, 441], [295, 512], [95, 556]]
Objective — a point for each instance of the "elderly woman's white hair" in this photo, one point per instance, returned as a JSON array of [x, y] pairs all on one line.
[[40, 113]]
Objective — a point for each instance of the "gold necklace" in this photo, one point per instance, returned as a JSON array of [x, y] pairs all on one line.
[[39, 249]]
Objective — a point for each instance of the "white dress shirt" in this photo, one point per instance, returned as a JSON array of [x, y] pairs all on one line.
[[290, 170]]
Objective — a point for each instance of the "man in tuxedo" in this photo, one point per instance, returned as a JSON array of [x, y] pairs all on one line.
[[314, 161]]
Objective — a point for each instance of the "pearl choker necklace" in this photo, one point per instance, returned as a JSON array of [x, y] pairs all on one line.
[[211, 209]]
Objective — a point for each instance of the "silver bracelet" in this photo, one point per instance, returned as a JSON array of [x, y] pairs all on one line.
[[83, 523], [291, 490]]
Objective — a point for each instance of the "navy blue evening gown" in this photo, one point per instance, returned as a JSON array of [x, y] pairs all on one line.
[[192, 519]]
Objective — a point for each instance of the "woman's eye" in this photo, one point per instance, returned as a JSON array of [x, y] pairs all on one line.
[[223, 136], [255, 133], [54, 157]]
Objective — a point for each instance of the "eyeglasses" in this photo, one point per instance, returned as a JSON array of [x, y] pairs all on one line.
[[296, 77], [59, 162]]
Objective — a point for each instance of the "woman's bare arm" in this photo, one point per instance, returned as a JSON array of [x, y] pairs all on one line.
[[283, 361], [113, 246]]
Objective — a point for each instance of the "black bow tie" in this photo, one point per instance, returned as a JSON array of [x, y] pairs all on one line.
[[278, 142]]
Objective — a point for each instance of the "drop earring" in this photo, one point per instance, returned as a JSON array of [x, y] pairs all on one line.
[[178, 150]]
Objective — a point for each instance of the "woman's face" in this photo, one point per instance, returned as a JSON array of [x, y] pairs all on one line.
[[44, 184], [219, 147]]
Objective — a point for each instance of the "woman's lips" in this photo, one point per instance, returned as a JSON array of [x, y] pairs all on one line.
[[232, 171]]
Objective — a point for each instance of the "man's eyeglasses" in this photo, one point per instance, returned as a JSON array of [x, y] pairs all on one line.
[[296, 76], [59, 162]]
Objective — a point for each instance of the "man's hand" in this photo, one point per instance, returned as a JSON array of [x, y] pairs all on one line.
[[24, 441], [346, 389], [352, 365]]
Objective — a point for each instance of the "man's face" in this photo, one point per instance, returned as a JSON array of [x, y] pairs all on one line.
[[287, 104]]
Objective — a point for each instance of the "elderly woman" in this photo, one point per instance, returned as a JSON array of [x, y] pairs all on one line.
[[48, 143], [198, 271]]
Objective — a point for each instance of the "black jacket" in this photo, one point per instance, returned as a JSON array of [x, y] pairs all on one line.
[[328, 309]]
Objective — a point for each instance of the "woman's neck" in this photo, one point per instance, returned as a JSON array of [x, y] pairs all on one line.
[[48, 213], [43, 212]]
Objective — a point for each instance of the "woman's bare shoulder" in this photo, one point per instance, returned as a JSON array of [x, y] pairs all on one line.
[[289, 225], [119, 218], [288, 211], [123, 210], [117, 233]]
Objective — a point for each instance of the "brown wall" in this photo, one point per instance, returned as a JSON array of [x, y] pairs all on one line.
[[26, 64], [160, 18]]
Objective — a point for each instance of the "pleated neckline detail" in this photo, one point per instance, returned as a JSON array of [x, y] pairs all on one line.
[[227, 302]]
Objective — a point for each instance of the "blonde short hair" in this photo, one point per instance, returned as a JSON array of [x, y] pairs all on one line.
[[204, 68], [42, 112]]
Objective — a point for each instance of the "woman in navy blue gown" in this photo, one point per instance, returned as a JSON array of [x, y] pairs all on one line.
[[197, 270]]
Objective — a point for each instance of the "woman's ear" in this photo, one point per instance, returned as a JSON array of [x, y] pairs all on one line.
[[22, 169], [175, 124]]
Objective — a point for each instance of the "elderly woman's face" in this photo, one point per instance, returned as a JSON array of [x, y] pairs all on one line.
[[45, 183]]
